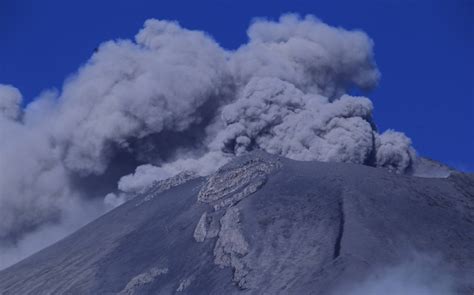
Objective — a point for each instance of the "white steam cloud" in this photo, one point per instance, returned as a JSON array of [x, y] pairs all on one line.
[[418, 274], [174, 100]]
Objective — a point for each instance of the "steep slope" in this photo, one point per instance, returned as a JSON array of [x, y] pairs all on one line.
[[268, 225]]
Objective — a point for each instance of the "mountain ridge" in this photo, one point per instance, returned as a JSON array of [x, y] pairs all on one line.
[[264, 224]]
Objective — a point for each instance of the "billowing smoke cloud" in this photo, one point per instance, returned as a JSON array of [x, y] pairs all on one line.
[[307, 53], [275, 116], [174, 100]]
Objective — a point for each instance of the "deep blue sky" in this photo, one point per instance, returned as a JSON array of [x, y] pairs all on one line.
[[424, 49]]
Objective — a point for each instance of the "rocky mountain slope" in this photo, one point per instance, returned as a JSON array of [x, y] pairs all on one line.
[[268, 225]]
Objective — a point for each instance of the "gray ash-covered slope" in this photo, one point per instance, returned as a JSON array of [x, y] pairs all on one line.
[[263, 225]]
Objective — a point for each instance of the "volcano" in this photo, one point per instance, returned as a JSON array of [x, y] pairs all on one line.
[[264, 224]]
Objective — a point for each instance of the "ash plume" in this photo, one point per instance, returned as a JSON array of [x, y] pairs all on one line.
[[172, 100]]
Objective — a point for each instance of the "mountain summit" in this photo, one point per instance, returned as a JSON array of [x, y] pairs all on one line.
[[264, 224]]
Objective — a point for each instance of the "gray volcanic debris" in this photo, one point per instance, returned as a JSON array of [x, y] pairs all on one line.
[[231, 246], [202, 228], [308, 228], [228, 186], [207, 227], [133, 287], [184, 284], [237, 180]]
